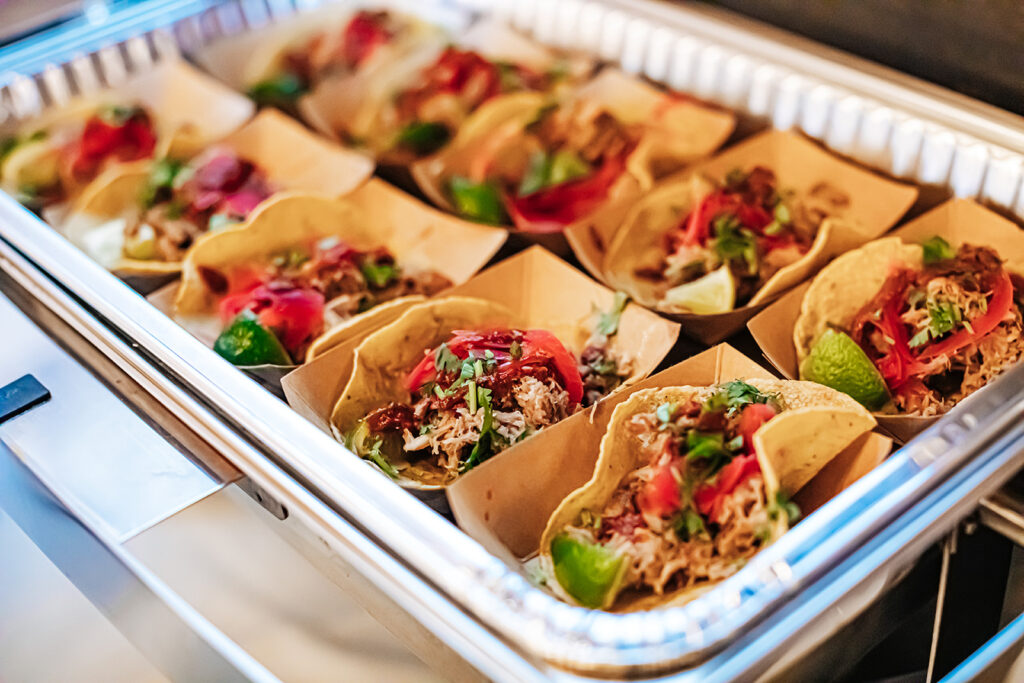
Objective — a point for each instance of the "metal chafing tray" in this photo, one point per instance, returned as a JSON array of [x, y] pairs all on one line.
[[785, 602]]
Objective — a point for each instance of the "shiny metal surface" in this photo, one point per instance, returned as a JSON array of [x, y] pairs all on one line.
[[465, 597], [169, 632], [125, 476]]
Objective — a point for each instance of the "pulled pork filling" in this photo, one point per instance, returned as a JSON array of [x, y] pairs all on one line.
[[940, 333], [333, 279], [471, 397], [180, 203], [697, 507], [747, 224]]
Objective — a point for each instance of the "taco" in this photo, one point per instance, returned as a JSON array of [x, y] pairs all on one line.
[[709, 245], [911, 328], [414, 106], [690, 483], [47, 165], [144, 217], [55, 157], [307, 271], [292, 61], [543, 164], [454, 381]]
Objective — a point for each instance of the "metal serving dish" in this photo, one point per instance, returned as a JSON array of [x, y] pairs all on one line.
[[794, 594]]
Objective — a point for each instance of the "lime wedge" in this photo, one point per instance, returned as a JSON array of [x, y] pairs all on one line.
[[836, 361], [713, 293]]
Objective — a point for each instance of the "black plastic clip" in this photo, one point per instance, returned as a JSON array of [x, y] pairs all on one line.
[[20, 395]]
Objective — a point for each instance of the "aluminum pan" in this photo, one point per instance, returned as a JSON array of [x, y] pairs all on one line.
[[913, 136]]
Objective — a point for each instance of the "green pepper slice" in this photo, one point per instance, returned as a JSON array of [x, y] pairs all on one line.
[[477, 201], [247, 342]]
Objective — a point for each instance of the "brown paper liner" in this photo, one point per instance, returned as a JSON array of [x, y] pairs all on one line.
[[506, 502], [957, 221]]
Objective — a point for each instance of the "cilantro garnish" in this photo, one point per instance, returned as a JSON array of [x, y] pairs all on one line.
[[689, 525], [377, 458], [937, 249], [734, 396], [378, 275], [782, 504], [445, 360], [482, 449], [608, 323], [281, 92], [943, 317], [160, 182], [515, 350], [733, 242], [708, 446]]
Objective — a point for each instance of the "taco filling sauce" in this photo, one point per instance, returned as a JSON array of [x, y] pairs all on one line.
[[474, 395], [748, 226], [939, 333], [304, 289], [692, 514], [556, 171], [181, 202]]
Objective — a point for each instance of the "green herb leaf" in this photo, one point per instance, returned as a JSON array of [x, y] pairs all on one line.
[[690, 525], [424, 137], [608, 323], [705, 445], [482, 449], [547, 170], [380, 460], [937, 249], [160, 182], [446, 361], [515, 350], [734, 396], [281, 91], [734, 243], [378, 275]]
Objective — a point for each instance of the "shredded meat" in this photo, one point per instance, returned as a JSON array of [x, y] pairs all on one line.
[[451, 432], [953, 291], [660, 561]]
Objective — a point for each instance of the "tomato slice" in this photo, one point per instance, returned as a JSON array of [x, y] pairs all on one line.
[[295, 315], [709, 497], [100, 140], [553, 208], [998, 307], [751, 419], [537, 342], [363, 35], [660, 495], [536, 345]]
